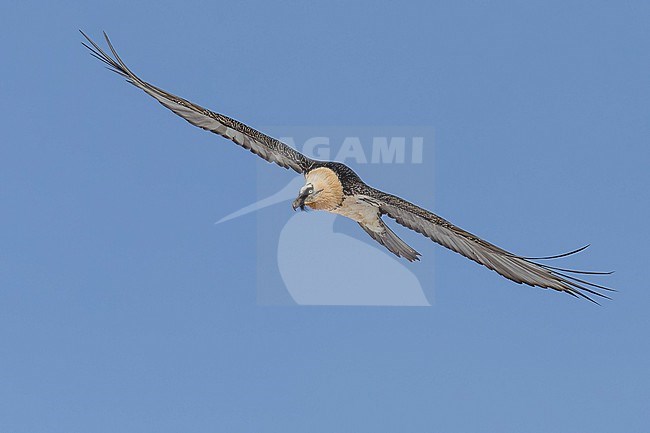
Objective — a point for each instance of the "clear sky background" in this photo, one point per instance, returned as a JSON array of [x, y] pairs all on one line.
[[123, 308]]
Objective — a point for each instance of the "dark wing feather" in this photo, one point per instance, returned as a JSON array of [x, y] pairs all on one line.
[[260, 144], [515, 268]]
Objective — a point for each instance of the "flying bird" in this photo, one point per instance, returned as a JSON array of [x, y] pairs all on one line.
[[334, 187]]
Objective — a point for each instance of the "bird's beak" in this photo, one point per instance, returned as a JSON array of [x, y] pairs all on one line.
[[300, 201]]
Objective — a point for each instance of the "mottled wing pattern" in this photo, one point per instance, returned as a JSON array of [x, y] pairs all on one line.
[[260, 144], [516, 268]]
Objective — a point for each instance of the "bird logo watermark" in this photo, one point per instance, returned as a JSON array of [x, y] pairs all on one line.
[[318, 258]]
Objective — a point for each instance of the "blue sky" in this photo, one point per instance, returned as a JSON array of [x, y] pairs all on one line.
[[123, 307]]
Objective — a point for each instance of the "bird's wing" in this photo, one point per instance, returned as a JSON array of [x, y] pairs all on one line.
[[260, 144], [516, 268]]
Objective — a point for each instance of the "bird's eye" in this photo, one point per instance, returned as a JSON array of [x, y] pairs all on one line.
[[310, 190]]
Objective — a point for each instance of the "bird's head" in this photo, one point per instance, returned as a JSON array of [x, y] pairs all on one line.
[[322, 190], [306, 197]]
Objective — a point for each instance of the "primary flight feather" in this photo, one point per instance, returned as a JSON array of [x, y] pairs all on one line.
[[335, 188]]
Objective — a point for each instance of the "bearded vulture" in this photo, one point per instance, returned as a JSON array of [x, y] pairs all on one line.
[[334, 187]]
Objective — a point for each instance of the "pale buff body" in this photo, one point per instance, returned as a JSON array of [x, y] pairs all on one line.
[[331, 199]]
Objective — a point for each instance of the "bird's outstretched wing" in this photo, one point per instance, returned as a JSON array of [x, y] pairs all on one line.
[[516, 268], [260, 144]]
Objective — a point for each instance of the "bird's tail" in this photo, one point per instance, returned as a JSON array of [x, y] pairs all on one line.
[[390, 240]]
